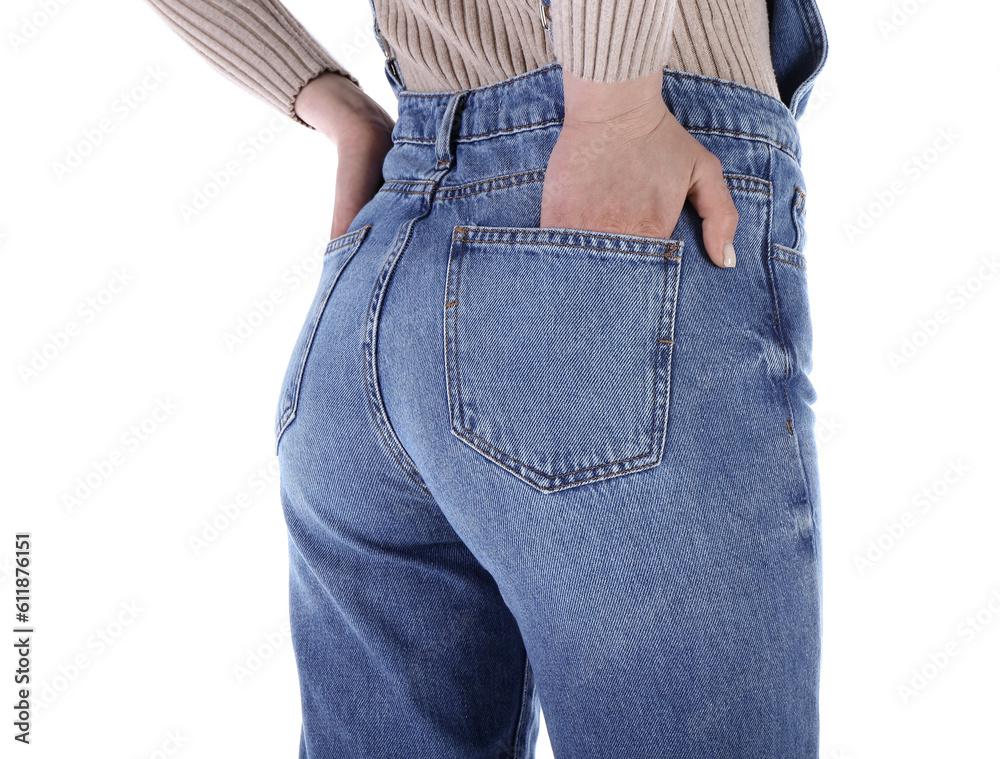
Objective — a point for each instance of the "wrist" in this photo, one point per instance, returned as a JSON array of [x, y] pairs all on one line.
[[328, 102], [634, 101]]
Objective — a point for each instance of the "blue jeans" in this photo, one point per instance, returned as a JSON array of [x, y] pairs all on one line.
[[557, 468]]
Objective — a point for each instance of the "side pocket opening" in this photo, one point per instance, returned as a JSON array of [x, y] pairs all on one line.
[[791, 294], [799, 218]]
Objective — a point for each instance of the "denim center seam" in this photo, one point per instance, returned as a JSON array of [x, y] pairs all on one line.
[[444, 158], [370, 359]]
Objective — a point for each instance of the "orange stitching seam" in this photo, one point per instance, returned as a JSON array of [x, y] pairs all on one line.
[[671, 247], [458, 394]]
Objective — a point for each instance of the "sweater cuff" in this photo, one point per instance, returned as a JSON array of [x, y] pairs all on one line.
[[293, 92], [310, 58], [257, 44], [612, 40]]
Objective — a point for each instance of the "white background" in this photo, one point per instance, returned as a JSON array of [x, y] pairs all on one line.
[[909, 447]]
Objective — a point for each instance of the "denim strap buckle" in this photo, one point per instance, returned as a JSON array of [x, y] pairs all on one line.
[[543, 11], [390, 59]]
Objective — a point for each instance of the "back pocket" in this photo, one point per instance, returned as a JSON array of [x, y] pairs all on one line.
[[558, 346], [337, 254]]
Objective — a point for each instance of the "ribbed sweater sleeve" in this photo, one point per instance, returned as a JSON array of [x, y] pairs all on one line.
[[258, 44], [612, 40], [443, 45]]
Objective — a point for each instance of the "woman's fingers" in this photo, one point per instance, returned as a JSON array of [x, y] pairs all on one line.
[[623, 163], [714, 204]]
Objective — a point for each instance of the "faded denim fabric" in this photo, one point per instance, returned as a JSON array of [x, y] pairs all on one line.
[[557, 468]]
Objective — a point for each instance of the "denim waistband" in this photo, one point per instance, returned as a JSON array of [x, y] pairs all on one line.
[[535, 99]]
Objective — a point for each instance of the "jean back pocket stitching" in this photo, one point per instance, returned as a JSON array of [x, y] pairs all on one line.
[[662, 358]]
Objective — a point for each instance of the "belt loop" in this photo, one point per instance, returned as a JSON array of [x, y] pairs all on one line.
[[442, 148]]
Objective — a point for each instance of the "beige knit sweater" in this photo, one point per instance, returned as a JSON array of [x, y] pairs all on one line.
[[442, 45]]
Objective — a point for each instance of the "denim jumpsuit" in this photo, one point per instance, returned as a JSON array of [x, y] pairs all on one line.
[[530, 468]]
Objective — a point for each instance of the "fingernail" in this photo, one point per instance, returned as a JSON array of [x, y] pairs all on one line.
[[729, 255]]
